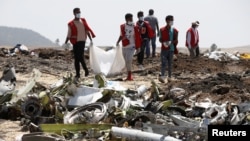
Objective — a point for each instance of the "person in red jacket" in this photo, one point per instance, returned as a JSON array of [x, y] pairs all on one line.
[[78, 30], [146, 34], [169, 40], [131, 41], [192, 40]]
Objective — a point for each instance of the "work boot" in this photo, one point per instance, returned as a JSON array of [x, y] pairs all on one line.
[[76, 80], [171, 79], [129, 77], [162, 79], [141, 67]]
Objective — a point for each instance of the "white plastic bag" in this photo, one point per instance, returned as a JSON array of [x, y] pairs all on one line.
[[109, 62]]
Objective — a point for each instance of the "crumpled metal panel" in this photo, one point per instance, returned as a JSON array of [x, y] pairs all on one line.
[[91, 113], [183, 121], [100, 81], [177, 94], [84, 95], [216, 114], [8, 79], [41, 137], [29, 85], [9, 74]]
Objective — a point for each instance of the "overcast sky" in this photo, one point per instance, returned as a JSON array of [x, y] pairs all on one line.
[[224, 22]]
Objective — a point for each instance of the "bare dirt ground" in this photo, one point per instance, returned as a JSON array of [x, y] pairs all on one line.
[[199, 75]]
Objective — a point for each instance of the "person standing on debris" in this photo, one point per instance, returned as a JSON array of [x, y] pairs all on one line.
[[131, 41], [169, 41], [153, 21], [192, 40], [146, 34], [78, 30]]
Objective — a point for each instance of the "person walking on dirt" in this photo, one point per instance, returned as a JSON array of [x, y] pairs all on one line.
[[146, 34], [78, 30], [169, 41], [153, 21], [131, 41], [192, 40]]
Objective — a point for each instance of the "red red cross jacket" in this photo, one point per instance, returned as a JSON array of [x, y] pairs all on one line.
[[137, 36], [192, 42], [164, 32], [73, 38], [149, 30]]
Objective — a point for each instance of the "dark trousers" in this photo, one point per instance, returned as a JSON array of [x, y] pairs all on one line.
[[153, 44], [166, 61], [140, 55], [197, 51], [78, 50]]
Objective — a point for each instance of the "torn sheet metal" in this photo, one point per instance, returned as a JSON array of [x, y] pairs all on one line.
[[154, 92], [145, 116], [205, 104], [6, 87], [138, 135], [9, 73], [91, 113], [38, 136], [183, 121], [114, 85], [124, 103], [237, 117], [65, 86], [216, 114], [8, 80], [5, 98], [84, 95], [141, 90], [221, 56], [100, 81], [244, 107], [138, 103], [36, 74], [177, 94], [165, 104], [57, 84]]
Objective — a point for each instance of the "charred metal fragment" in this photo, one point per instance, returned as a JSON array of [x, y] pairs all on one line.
[[41, 137]]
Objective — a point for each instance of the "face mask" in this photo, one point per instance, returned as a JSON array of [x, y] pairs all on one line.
[[78, 15], [130, 23], [141, 18], [171, 23]]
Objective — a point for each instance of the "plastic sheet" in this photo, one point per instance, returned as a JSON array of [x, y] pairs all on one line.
[[109, 62]]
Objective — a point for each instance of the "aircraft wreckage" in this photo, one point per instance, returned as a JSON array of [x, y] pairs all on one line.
[[103, 111]]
